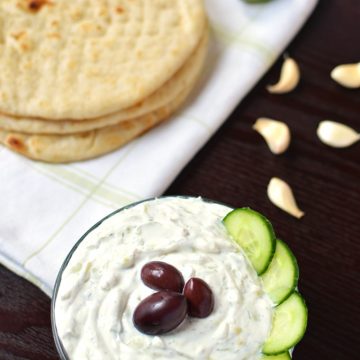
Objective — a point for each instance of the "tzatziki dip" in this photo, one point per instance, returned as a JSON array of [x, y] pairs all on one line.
[[100, 287]]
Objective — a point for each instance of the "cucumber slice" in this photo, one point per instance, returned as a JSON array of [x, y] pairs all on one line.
[[254, 233], [281, 277], [289, 325], [282, 356]]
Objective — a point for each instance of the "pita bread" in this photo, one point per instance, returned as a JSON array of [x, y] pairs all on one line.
[[83, 59], [161, 97], [90, 144]]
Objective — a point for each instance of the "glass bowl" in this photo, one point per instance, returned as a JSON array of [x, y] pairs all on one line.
[[59, 346]]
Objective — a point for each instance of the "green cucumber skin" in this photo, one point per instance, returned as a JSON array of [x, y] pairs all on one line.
[[297, 274], [276, 349], [269, 228], [282, 356], [302, 332], [296, 269]]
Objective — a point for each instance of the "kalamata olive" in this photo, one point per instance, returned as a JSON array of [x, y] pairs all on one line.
[[159, 275], [199, 297], [160, 312]]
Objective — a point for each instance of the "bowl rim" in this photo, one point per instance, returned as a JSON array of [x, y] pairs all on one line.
[[59, 346]]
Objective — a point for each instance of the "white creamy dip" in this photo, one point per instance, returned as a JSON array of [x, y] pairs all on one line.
[[101, 286]]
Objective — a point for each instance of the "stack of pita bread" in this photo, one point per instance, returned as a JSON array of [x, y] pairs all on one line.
[[81, 78]]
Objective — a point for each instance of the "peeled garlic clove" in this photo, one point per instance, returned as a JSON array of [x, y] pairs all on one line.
[[276, 134], [281, 195], [336, 134], [347, 75], [289, 78]]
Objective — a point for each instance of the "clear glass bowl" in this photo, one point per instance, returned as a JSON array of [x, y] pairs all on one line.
[[59, 346]]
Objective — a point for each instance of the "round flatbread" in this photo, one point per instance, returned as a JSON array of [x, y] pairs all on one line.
[[90, 144], [168, 92], [83, 59]]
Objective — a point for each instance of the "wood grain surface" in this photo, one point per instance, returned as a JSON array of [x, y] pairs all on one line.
[[235, 167]]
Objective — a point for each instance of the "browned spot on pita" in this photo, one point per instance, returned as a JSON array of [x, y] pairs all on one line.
[[19, 35], [119, 9], [15, 143], [25, 47], [36, 5]]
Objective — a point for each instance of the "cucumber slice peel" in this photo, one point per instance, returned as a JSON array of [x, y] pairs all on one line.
[[289, 325], [254, 233], [282, 356], [281, 277]]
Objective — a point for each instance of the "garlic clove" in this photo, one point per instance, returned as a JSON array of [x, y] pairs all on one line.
[[289, 78], [336, 134], [276, 134], [281, 195], [347, 75]]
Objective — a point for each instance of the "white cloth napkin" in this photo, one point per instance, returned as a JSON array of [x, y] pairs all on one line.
[[46, 208]]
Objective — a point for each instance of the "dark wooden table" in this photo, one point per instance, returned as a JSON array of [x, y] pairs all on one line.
[[235, 167]]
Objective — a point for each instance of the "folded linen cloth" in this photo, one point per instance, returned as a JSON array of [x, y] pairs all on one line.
[[46, 208]]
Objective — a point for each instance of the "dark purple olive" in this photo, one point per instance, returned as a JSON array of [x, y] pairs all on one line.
[[159, 275], [160, 313], [199, 297]]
